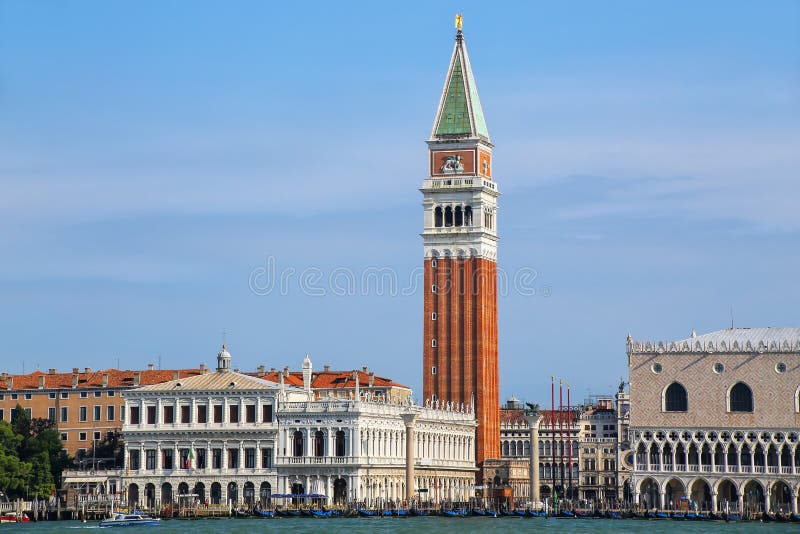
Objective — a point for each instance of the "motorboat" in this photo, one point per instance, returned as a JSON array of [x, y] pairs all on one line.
[[13, 517], [130, 520]]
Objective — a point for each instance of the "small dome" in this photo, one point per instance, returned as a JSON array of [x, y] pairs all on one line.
[[224, 360]]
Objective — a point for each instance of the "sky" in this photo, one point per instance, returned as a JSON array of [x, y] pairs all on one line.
[[175, 173]]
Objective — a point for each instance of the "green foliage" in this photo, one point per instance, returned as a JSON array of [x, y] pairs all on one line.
[[31, 456]]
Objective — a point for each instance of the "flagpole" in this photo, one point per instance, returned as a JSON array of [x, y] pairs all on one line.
[[561, 430], [569, 438], [553, 436]]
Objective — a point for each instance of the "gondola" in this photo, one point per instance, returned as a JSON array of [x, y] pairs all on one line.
[[269, 514]]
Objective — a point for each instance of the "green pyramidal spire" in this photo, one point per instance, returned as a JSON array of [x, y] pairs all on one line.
[[460, 113]]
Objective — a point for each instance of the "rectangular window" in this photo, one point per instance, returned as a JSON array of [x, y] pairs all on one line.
[[110, 412], [98, 394], [216, 458], [433, 316], [64, 414], [217, 413], [186, 414], [166, 459], [185, 462], [112, 393], [65, 394], [150, 459], [134, 415], [151, 415], [169, 415], [433, 370], [233, 414], [2, 396], [266, 458], [266, 413], [201, 458], [14, 396], [433, 343], [133, 460], [82, 413], [97, 436], [98, 412], [233, 458], [202, 414], [84, 394], [433, 288], [51, 413], [64, 436], [81, 436], [51, 395], [28, 396], [2, 415], [250, 458]]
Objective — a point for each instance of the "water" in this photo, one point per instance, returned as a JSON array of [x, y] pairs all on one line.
[[415, 525]]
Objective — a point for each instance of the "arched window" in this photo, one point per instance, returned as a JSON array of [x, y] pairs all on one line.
[[298, 443], [675, 399], [740, 398], [437, 217], [319, 443], [340, 443], [468, 216], [459, 217], [448, 216], [505, 448]]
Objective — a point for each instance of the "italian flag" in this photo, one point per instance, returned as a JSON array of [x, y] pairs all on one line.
[[189, 459]]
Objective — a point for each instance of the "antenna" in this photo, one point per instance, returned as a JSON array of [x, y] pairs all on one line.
[[159, 362], [224, 336], [731, 317]]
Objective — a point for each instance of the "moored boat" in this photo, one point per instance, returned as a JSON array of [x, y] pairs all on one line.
[[130, 520], [13, 517], [264, 513]]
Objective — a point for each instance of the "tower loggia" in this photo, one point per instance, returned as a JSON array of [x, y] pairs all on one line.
[[460, 241]]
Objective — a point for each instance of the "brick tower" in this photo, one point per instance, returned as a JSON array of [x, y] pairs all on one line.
[[460, 239]]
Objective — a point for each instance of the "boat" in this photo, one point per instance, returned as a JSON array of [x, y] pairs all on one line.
[[365, 513], [401, 513], [264, 513], [130, 520], [419, 513], [478, 512], [454, 513], [289, 513], [613, 514], [13, 517], [662, 515], [321, 513], [583, 514]]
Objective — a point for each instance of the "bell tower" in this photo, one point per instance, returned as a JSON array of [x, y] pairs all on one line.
[[460, 239]]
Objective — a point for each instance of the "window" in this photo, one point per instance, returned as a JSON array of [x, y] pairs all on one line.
[[134, 415], [169, 415], [150, 459], [433, 370], [216, 458], [656, 368], [2, 415], [51, 413], [250, 413], [250, 458], [110, 412], [133, 460], [319, 443], [675, 398], [297, 443], [151, 415], [65, 394], [233, 458], [167, 459], [201, 459], [433, 343], [433, 316], [186, 463], [14, 396], [233, 414], [96, 436], [740, 398], [98, 412], [780, 368], [719, 368], [82, 413], [202, 414], [81, 436], [64, 414], [433, 288], [339, 445], [51, 395], [29, 396], [186, 415], [84, 394], [217, 413], [266, 458], [433, 262], [64, 436], [266, 413], [98, 394], [111, 393], [2, 396]]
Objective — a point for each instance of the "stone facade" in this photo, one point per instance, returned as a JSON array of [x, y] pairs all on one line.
[[714, 420]]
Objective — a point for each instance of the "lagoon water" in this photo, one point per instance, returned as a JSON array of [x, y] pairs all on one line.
[[415, 525]]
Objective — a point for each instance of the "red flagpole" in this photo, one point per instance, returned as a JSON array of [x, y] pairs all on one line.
[[569, 438]]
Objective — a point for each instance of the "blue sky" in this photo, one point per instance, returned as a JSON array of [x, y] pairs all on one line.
[[155, 155]]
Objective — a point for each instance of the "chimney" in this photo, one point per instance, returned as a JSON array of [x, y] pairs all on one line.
[[202, 368], [105, 380], [150, 367], [75, 378], [10, 383], [87, 370], [41, 381], [75, 370], [137, 378], [261, 370], [365, 368], [52, 371], [371, 379], [286, 371], [272, 370], [327, 368], [176, 375]]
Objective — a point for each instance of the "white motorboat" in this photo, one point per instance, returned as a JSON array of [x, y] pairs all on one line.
[[130, 520]]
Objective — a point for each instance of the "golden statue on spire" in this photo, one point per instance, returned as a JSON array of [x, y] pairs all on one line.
[[459, 21]]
